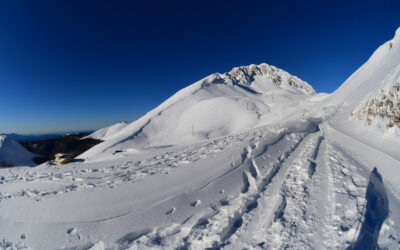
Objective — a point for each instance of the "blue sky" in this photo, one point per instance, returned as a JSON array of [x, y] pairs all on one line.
[[79, 65]]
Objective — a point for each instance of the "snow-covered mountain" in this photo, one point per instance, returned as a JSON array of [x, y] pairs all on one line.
[[217, 105], [14, 154], [256, 161]]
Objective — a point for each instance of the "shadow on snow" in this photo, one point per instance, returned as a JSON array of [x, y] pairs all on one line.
[[377, 209]]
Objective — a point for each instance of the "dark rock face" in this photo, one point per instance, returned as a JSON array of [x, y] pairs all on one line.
[[71, 144]]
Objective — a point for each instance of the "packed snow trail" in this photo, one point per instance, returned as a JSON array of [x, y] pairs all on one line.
[[276, 199]]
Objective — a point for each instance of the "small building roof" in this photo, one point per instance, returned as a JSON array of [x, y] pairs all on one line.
[[60, 155]]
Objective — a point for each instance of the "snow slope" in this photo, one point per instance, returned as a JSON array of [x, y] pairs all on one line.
[[103, 133], [13, 152], [217, 105], [368, 106], [296, 184], [380, 72]]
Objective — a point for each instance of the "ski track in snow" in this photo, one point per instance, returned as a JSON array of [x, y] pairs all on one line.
[[299, 190], [312, 177], [204, 231]]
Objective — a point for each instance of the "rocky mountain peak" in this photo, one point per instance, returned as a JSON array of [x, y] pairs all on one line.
[[246, 75]]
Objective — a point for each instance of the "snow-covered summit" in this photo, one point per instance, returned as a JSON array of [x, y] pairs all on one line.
[[217, 105], [248, 76], [13, 154]]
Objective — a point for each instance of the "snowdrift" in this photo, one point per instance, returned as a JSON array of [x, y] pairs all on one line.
[[217, 105]]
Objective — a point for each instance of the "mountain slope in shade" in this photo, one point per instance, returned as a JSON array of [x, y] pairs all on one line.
[[217, 105], [14, 154]]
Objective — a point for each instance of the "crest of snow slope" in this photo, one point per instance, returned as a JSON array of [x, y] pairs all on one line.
[[376, 79], [103, 133], [12, 152], [217, 105]]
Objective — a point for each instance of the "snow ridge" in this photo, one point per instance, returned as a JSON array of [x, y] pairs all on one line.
[[368, 79], [103, 133]]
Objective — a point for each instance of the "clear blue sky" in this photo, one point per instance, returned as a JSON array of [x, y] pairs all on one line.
[[78, 65]]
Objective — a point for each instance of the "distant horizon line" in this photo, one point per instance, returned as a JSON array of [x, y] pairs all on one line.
[[63, 132], [51, 133]]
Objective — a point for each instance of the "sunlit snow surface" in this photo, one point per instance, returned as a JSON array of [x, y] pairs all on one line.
[[222, 166]]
